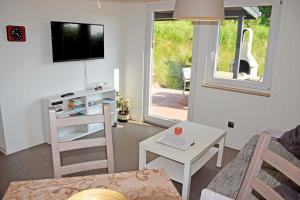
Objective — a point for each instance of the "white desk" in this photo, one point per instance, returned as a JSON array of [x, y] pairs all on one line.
[[181, 165]]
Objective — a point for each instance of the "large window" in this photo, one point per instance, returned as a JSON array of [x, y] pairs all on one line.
[[243, 46]]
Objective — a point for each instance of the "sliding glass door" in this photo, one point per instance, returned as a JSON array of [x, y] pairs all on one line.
[[169, 69]]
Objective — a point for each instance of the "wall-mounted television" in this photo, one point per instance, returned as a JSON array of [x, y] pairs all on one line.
[[77, 41]]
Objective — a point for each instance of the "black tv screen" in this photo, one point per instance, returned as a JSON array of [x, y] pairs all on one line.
[[77, 41]]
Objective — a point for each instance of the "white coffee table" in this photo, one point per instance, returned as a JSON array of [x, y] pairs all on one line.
[[181, 165]]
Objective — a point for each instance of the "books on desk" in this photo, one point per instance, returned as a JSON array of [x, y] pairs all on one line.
[[76, 103], [175, 141]]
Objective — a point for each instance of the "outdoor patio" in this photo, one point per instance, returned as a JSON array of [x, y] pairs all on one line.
[[169, 103]]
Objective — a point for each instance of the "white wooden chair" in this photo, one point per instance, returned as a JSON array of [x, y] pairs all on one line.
[[58, 147], [262, 153]]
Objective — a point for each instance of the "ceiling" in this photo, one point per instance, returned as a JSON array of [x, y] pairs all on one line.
[[122, 0], [127, 0]]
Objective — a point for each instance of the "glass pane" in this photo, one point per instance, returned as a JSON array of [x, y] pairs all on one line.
[[253, 47], [172, 57]]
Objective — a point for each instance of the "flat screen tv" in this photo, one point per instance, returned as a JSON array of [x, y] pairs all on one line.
[[77, 41]]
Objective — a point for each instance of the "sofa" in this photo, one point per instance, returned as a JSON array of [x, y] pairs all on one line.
[[226, 184]]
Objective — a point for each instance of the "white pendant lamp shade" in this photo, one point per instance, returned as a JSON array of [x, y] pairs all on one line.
[[199, 10], [99, 4]]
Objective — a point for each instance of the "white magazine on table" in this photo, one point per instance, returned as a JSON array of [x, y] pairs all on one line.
[[175, 141]]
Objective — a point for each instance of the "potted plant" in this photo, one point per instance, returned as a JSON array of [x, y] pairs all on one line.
[[123, 109]]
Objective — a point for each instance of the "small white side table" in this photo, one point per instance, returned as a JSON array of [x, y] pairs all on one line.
[[181, 165]]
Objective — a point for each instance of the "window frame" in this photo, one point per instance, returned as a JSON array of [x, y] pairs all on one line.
[[272, 49]]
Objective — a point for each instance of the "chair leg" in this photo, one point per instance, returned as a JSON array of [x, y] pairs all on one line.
[[56, 163], [109, 142], [184, 87], [54, 144]]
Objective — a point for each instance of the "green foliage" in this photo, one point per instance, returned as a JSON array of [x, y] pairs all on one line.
[[172, 51], [265, 15], [227, 43]]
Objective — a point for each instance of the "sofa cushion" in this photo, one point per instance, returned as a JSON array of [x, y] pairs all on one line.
[[228, 181], [279, 149], [291, 141], [248, 150], [287, 192]]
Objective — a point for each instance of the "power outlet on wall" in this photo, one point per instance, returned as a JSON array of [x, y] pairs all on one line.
[[230, 124]]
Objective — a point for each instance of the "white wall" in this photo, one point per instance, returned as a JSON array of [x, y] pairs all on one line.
[[134, 58], [251, 114], [27, 73]]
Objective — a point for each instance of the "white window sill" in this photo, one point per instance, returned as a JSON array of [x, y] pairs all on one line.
[[239, 90]]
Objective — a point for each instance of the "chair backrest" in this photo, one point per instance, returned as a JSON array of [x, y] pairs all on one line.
[[58, 147], [261, 154]]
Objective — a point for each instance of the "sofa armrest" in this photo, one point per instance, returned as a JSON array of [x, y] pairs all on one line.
[[207, 194], [274, 133]]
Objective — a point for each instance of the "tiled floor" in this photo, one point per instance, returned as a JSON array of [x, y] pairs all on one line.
[[169, 103], [36, 162]]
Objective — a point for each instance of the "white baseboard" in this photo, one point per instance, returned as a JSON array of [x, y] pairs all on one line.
[[3, 151], [233, 146], [136, 118]]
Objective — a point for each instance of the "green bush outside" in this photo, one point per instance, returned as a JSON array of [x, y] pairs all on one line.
[[172, 51], [172, 47]]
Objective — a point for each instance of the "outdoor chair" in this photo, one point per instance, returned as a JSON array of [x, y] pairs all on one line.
[[186, 77]]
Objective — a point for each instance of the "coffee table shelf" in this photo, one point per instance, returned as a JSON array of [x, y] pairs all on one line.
[[175, 169]]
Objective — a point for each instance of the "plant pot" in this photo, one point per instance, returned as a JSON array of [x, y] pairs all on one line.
[[123, 117]]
